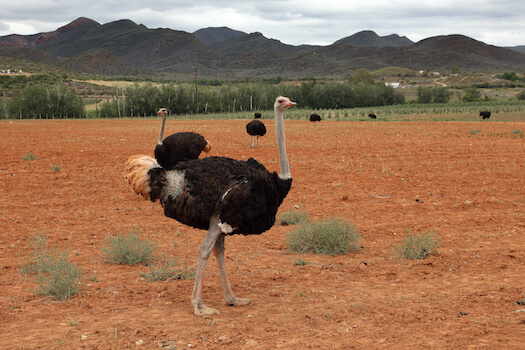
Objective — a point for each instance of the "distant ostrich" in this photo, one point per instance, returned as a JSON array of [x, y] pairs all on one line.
[[222, 195], [484, 114], [178, 147], [372, 115], [257, 115], [315, 118], [255, 128]]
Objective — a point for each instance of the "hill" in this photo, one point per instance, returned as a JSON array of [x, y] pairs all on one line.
[[124, 48], [213, 35], [371, 39]]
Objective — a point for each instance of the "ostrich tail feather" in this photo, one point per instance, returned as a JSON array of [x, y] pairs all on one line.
[[137, 168]]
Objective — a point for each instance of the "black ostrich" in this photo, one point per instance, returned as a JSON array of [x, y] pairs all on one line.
[[255, 128], [315, 118], [178, 147], [257, 115], [372, 115], [222, 195], [484, 114]]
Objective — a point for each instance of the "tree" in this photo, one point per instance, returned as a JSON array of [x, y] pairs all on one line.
[[436, 94], [362, 76]]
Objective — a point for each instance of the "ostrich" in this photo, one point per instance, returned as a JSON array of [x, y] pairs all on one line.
[[315, 118], [178, 147], [257, 115], [484, 114], [223, 195], [255, 128], [372, 115]]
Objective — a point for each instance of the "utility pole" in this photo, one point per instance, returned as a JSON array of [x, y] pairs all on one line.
[[196, 91]]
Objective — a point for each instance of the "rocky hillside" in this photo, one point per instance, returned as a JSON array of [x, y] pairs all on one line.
[[123, 48]]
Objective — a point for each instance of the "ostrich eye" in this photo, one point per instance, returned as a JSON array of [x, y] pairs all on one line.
[[280, 101]]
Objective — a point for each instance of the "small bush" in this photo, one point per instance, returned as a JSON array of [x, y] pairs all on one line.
[[332, 236], [292, 217], [61, 278], [55, 275], [55, 167], [30, 156], [162, 269], [417, 246], [128, 249]]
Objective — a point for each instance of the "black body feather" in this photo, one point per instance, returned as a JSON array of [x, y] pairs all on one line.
[[179, 147], [315, 118], [256, 128], [244, 194]]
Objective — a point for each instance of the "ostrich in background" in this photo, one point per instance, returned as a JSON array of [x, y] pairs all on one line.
[[255, 128], [372, 116], [315, 118], [178, 147], [257, 115], [223, 195]]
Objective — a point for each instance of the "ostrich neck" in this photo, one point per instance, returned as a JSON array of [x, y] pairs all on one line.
[[284, 172], [161, 134]]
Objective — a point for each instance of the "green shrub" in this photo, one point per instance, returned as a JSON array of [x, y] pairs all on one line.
[[128, 249], [292, 217], [30, 156], [332, 236], [417, 245], [55, 275], [162, 269]]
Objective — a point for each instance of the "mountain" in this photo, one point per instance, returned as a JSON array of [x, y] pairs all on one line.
[[124, 48], [212, 35], [517, 48], [371, 39]]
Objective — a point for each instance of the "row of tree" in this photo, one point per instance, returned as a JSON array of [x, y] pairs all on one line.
[[145, 99], [61, 101], [39, 101]]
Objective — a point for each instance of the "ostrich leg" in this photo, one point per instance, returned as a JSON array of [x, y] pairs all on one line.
[[251, 143], [205, 249], [229, 298]]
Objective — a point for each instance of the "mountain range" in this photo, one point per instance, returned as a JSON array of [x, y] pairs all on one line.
[[124, 48]]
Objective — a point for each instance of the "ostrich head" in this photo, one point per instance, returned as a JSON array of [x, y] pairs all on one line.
[[283, 103], [163, 112]]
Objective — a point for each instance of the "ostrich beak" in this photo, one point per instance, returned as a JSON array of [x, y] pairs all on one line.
[[289, 104]]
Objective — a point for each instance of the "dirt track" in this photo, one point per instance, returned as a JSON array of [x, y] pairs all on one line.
[[464, 180]]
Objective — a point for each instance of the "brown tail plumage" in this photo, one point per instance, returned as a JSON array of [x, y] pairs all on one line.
[[137, 168]]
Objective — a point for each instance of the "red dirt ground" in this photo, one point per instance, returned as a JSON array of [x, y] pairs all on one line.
[[464, 180]]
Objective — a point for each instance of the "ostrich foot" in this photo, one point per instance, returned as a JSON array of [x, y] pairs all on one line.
[[233, 301], [202, 310]]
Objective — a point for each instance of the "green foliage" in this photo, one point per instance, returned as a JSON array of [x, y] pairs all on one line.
[[362, 76], [56, 276], [417, 245], [292, 217], [435, 94], [521, 95], [512, 76], [162, 269], [332, 236], [128, 249], [39, 101], [55, 167], [30, 156]]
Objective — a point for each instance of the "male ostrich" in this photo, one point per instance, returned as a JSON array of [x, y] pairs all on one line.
[[257, 115], [315, 118], [178, 147], [372, 115], [255, 128], [484, 114], [222, 195]]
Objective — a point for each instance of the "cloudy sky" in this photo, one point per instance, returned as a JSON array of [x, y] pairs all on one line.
[[295, 22]]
